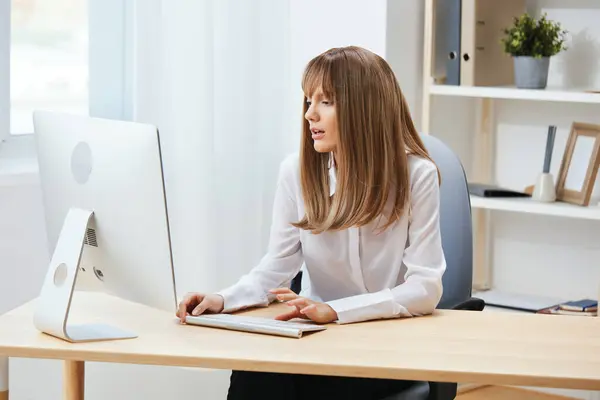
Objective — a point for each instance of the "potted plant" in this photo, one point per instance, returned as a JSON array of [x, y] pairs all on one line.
[[531, 43]]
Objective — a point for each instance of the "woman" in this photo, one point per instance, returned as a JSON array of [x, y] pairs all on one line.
[[359, 207]]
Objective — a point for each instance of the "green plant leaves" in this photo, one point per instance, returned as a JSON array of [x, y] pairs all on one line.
[[534, 38]]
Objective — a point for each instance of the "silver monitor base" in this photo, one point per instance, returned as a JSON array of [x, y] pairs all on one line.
[[52, 307]]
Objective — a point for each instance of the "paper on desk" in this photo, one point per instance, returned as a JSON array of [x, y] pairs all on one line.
[[516, 300]]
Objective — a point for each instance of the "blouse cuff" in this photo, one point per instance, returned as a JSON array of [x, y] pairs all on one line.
[[236, 298], [364, 307]]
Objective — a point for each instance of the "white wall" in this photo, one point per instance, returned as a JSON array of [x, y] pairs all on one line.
[[317, 26], [404, 48], [22, 242]]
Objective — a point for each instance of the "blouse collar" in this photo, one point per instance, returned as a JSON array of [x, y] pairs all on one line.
[[332, 175]]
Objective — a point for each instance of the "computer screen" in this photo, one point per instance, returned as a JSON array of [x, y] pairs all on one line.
[[106, 216]]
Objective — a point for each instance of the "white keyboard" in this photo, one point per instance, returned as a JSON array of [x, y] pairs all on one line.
[[255, 324]]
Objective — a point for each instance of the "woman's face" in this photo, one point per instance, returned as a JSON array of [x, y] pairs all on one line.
[[323, 122]]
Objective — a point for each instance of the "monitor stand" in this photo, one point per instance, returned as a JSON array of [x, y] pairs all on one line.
[[51, 312]]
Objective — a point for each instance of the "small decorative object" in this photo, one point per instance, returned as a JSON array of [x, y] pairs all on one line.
[[579, 166], [544, 189], [531, 43]]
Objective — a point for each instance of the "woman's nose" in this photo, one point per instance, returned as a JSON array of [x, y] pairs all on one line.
[[311, 115]]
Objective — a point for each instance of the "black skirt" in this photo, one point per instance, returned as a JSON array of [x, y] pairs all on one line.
[[265, 385]]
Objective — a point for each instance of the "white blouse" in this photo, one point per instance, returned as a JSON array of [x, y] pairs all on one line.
[[361, 273]]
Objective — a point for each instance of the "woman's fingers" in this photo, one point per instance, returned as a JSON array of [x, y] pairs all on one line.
[[304, 308], [200, 308], [282, 290], [191, 300], [310, 311], [294, 313], [287, 296], [297, 304], [284, 294], [300, 302]]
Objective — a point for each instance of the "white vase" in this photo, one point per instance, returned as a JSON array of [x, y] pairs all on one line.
[[544, 188]]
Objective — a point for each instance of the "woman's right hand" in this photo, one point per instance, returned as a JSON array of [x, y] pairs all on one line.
[[198, 303]]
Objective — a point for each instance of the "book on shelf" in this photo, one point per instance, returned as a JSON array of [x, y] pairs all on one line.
[[584, 307], [559, 311]]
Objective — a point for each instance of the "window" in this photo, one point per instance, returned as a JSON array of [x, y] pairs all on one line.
[[48, 59], [74, 56]]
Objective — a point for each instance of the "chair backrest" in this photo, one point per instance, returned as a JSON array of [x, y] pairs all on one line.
[[455, 223]]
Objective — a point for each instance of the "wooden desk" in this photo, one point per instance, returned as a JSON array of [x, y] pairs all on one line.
[[454, 346]]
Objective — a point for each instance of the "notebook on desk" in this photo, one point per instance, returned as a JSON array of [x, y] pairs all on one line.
[[267, 326]]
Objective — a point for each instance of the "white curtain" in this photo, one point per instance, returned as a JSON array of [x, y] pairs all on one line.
[[214, 76]]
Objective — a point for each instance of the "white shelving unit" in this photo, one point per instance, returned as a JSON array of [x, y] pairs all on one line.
[[511, 93], [484, 144], [484, 99], [529, 206]]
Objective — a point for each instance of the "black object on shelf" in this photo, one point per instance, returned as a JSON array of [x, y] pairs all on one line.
[[487, 190]]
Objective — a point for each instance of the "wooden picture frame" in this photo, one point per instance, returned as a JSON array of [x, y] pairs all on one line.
[[583, 147]]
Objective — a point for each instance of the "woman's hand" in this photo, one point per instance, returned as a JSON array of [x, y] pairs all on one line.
[[197, 303], [304, 308]]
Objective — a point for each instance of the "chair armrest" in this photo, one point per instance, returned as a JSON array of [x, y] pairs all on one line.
[[473, 304]]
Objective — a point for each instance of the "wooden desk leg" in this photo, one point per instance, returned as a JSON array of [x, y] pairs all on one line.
[[3, 378], [73, 380]]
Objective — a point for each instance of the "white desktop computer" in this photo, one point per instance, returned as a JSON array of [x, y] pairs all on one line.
[[106, 219]]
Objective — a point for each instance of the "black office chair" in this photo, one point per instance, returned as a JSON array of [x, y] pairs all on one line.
[[457, 241]]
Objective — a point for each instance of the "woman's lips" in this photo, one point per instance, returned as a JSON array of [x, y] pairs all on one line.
[[317, 134]]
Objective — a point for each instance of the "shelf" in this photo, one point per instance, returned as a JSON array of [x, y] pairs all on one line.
[[527, 205], [564, 96], [501, 301]]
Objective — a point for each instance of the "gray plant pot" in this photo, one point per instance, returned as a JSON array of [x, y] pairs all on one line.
[[531, 72]]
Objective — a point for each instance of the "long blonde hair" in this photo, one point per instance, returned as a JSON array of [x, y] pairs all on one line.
[[376, 132]]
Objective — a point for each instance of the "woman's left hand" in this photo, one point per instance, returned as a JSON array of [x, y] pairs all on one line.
[[304, 308]]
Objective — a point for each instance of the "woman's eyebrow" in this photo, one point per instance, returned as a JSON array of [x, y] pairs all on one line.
[[318, 95]]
